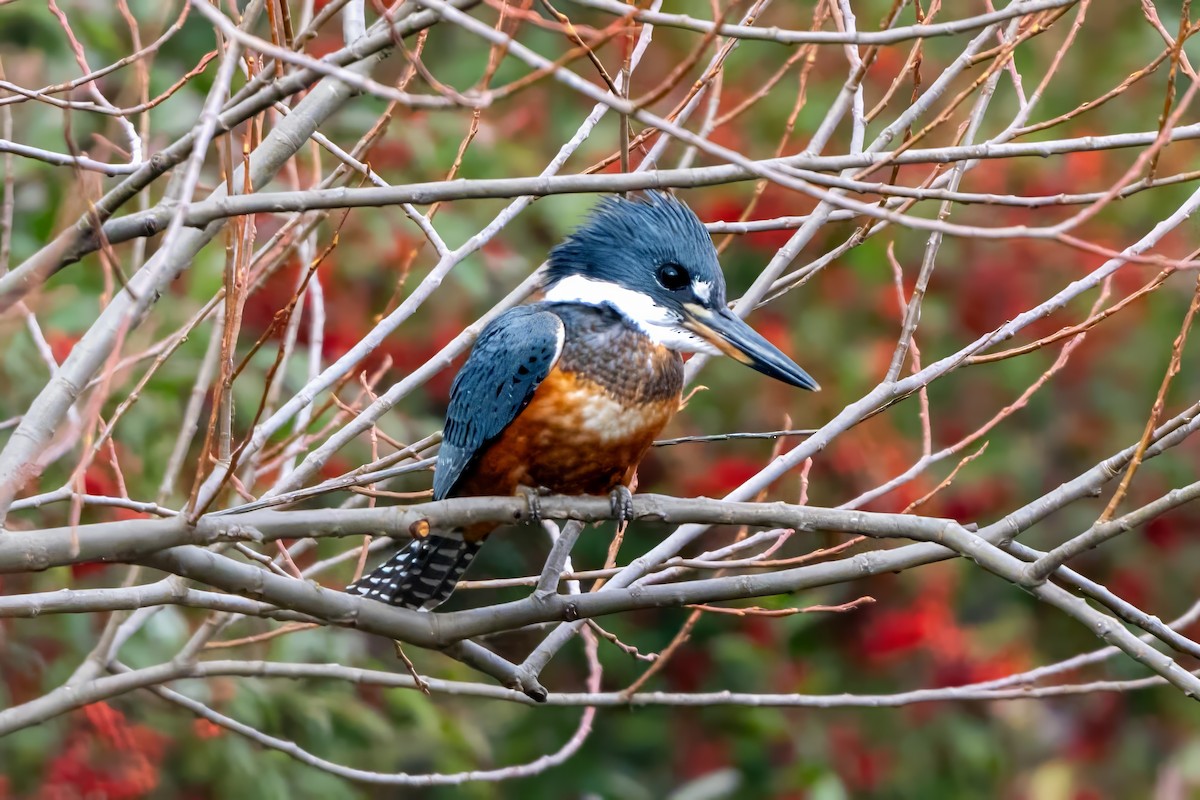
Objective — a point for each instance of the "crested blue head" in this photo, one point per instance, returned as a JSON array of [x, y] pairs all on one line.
[[622, 238], [651, 260]]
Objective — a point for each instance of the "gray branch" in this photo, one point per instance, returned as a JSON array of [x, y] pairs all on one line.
[[153, 221]]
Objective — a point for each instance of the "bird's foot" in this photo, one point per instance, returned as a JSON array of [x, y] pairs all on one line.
[[622, 504], [533, 497]]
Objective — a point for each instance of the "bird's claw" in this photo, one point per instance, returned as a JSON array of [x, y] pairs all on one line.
[[533, 497], [622, 504]]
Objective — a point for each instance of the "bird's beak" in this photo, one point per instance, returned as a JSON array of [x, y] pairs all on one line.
[[733, 337]]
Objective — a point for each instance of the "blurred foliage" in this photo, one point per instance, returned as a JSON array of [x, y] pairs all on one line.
[[943, 625]]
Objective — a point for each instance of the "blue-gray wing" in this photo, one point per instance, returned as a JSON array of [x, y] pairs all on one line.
[[511, 357]]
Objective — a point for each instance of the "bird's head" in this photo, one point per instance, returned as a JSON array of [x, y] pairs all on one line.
[[651, 260]]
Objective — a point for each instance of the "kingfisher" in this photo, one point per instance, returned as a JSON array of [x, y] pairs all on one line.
[[567, 394]]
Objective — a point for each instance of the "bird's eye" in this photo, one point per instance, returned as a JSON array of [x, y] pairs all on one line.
[[673, 277]]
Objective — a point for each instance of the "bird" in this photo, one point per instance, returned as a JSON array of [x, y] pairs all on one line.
[[567, 394]]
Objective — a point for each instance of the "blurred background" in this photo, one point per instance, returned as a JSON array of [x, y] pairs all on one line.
[[942, 625]]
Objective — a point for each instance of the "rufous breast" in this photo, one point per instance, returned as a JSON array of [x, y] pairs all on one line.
[[591, 420]]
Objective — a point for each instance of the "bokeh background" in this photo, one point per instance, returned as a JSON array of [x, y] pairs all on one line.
[[942, 625]]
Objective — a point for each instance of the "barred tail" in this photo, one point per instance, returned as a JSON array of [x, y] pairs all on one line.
[[421, 576]]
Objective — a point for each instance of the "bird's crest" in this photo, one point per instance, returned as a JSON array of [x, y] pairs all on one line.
[[623, 233]]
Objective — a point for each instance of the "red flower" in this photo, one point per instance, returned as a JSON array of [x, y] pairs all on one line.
[[207, 730], [927, 624], [61, 344], [722, 477], [891, 634], [108, 757], [1164, 533]]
